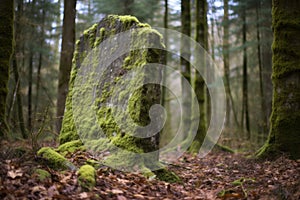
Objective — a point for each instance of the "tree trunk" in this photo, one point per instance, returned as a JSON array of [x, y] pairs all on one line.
[[68, 41], [245, 108], [284, 134], [226, 60], [267, 38], [200, 89], [229, 98], [185, 65], [29, 94], [128, 5], [261, 87], [38, 79], [19, 98], [165, 59], [6, 50]]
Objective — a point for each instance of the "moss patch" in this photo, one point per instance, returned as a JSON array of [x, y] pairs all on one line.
[[71, 146], [167, 176], [42, 174], [87, 177], [53, 159]]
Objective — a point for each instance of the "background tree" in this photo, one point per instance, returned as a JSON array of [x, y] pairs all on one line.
[[68, 41], [185, 49], [245, 105], [6, 40], [199, 84], [285, 128]]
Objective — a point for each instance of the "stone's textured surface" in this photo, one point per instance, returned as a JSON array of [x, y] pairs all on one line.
[[120, 83]]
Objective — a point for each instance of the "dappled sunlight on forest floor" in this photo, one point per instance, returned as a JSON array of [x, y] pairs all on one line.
[[217, 176]]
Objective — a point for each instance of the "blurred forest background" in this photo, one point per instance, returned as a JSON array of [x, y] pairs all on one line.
[[239, 38]]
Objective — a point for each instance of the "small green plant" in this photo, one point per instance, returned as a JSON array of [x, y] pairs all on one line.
[[240, 182]]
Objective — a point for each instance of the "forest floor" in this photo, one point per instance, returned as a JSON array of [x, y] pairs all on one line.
[[219, 175]]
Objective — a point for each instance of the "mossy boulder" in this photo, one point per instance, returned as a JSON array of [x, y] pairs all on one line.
[[123, 82], [87, 177]]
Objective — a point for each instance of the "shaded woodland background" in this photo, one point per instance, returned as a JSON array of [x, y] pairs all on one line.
[[239, 38], [37, 40]]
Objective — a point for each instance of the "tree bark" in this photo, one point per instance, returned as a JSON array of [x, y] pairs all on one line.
[[18, 51], [38, 78], [284, 134], [200, 88], [260, 68], [68, 41], [245, 108], [185, 65], [29, 94], [229, 98], [6, 50]]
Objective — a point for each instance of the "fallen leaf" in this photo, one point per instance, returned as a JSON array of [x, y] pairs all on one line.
[[14, 174], [117, 191]]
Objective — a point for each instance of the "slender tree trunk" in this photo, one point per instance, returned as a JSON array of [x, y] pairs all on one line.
[[128, 5], [68, 41], [266, 51], [6, 50], [29, 94], [185, 65], [38, 79], [245, 110], [19, 99], [229, 98], [166, 14], [200, 89], [18, 51], [226, 60], [212, 39], [284, 134], [261, 87]]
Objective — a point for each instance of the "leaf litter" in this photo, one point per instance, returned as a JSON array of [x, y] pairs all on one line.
[[219, 175]]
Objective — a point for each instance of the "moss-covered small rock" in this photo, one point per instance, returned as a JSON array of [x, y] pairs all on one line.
[[53, 159], [87, 177], [42, 174], [167, 176]]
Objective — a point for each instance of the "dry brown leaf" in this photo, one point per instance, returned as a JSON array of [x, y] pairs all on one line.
[[117, 191], [121, 197], [15, 173]]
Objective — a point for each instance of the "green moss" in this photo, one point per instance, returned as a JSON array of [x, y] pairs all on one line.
[[167, 176], [94, 163], [53, 159], [125, 160], [99, 145], [284, 134], [71, 146], [116, 134], [87, 177], [90, 34], [127, 142], [42, 174]]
